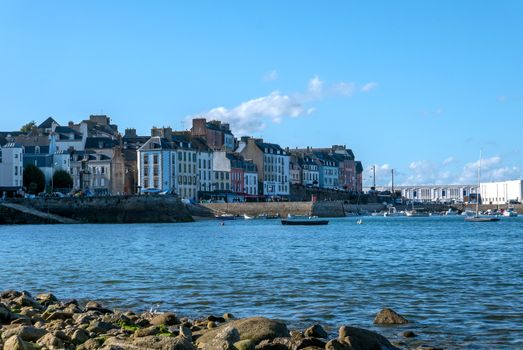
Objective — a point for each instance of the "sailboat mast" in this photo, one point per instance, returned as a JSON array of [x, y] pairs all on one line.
[[479, 185]]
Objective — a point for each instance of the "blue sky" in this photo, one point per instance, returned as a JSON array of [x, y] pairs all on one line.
[[418, 86]]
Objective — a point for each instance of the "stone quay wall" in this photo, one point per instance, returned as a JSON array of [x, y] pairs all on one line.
[[320, 209], [112, 209]]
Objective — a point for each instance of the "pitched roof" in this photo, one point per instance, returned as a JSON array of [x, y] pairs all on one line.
[[47, 124], [156, 142], [100, 142], [270, 146]]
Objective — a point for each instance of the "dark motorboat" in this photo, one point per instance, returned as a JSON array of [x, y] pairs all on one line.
[[304, 220]]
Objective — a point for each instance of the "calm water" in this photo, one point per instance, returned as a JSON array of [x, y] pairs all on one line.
[[460, 283]]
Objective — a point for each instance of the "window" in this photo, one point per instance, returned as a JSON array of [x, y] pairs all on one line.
[[155, 159]]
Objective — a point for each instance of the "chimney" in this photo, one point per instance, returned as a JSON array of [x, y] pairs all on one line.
[[70, 124], [198, 127], [130, 132]]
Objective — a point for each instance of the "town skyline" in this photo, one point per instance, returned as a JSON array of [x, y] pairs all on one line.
[[308, 76]]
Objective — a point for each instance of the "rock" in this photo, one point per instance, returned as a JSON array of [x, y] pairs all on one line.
[[185, 332], [427, 347], [166, 318], [26, 300], [268, 345], [316, 331], [223, 340], [211, 324], [336, 344], [92, 304], [51, 342], [409, 334], [362, 339], [150, 343], [100, 327], [246, 344], [255, 328], [46, 299], [227, 316], [145, 332], [16, 343], [91, 344], [6, 316], [22, 320], [79, 336], [216, 319], [388, 317], [59, 315], [27, 333]]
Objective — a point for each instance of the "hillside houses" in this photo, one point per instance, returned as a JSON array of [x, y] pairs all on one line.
[[206, 162]]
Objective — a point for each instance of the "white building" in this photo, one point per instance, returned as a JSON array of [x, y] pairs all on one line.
[[11, 166], [250, 178], [435, 193], [157, 165], [503, 192], [222, 171], [186, 182]]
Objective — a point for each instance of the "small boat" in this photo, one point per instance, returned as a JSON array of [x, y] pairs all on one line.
[[307, 221], [262, 216], [416, 214], [393, 212], [359, 222], [510, 213], [276, 216], [247, 217], [224, 217], [478, 218]]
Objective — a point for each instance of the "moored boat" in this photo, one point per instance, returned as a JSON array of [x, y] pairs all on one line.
[[510, 213], [308, 221], [224, 217]]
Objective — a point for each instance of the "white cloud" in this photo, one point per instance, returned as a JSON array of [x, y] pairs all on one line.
[[250, 116], [254, 115], [271, 76], [369, 87], [343, 89], [315, 87], [449, 160]]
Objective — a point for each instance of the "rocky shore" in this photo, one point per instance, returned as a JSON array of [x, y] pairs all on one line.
[[44, 322]]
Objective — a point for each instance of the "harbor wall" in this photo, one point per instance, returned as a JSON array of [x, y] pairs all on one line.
[[321, 209], [111, 209]]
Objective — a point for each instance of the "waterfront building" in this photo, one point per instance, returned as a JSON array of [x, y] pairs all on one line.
[[501, 192], [435, 193], [250, 178], [130, 144], [216, 134], [237, 173], [106, 165], [295, 171], [272, 163], [157, 165], [328, 169], [346, 165], [40, 150], [359, 176], [222, 171], [186, 182], [11, 168]]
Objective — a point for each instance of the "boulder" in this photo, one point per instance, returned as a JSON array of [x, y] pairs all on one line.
[[51, 342], [336, 344], [145, 332], [316, 331], [27, 333], [6, 316], [46, 299], [79, 336], [246, 344], [185, 332], [100, 327], [91, 344], [254, 328], [409, 334], [166, 318], [26, 300], [224, 339], [216, 319], [389, 317], [363, 339], [150, 343], [16, 343]]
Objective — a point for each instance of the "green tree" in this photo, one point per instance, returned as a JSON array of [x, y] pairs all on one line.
[[28, 127], [62, 179], [34, 179]]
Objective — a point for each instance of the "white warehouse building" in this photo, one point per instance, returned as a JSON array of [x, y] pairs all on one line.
[[437, 193], [503, 192]]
